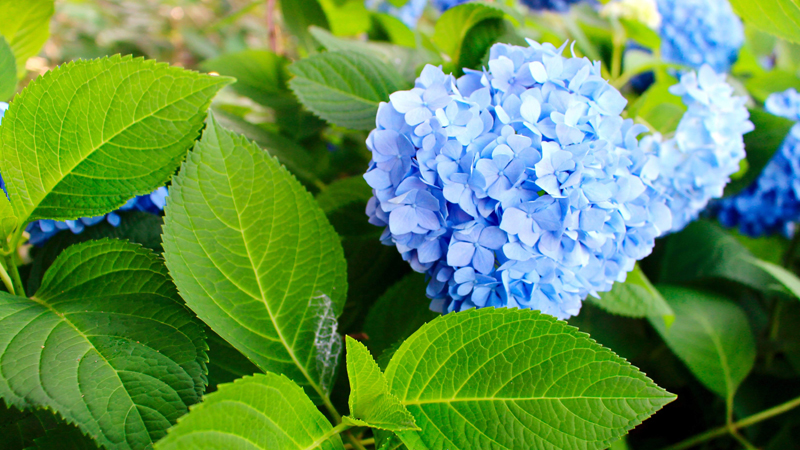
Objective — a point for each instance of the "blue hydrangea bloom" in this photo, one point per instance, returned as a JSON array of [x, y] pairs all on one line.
[[516, 186], [409, 13], [772, 203], [42, 230], [551, 5], [444, 5], [697, 162], [697, 32]]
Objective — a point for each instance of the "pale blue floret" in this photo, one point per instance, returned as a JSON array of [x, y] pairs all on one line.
[[409, 13], [517, 186], [444, 5], [697, 32], [772, 203], [707, 148]]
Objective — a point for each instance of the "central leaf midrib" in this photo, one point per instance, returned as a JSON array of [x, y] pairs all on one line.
[[262, 292], [523, 399], [100, 354], [62, 175]]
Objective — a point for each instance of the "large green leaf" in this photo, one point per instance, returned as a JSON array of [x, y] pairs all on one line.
[[8, 71], [299, 15], [89, 135], [256, 259], [703, 250], [20, 427], [371, 403], [63, 437], [26, 27], [778, 17], [344, 88], [106, 343], [260, 75], [398, 313], [636, 297], [262, 412], [761, 145], [764, 84], [509, 379], [225, 363], [711, 336], [785, 277], [453, 27]]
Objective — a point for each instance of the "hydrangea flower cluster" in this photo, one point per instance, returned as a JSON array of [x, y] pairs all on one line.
[[697, 162], [772, 203], [42, 230], [409, 13], [697, 32], [444, 5], [518, 186], [550, 5]]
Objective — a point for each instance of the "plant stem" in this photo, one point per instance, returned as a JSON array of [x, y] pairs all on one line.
[[618, 39], [744, 423], [11, 265], [788, 257], [354, 441], [6, 279]]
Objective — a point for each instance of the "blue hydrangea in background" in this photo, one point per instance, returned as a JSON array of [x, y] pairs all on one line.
[[42, 230], [772, 203], [409, 13], [519, 186], [551, 5], [697, 162], [444, 5], [697, 32]]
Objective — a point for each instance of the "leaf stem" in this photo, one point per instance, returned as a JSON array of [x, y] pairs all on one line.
[[6, 279], [11, 266], [735, 426], [354, 441], [618, 40]]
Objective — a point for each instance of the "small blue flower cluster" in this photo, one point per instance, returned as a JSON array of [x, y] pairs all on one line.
[[707, 147], [409, 13], [551, 5], [520, 186], [444, 5], [772, 203], [697, 32], [42, 230]]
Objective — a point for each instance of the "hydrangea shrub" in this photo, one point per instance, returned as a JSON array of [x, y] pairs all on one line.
[[532, 186]]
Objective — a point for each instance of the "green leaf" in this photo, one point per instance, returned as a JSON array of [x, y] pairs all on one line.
[[778, 17], [641, 33], [711, 336], [264, 412], [371, 403], [762, 85], [135, 226], [786, 278], [344, 202], [703, 250], [26, 27], [760, 145], [299, 15], [394, 29], [225, 363], [398, 313], [8, 71], [256, 259], [343, 88], [19, 428], [89, 135], [636, 297], [8, 220], [477, 42], [63, 437], [659, 107], [403, 60], [455, 24], [470, 377], [260, 75], [106, 343], [291, 154]]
